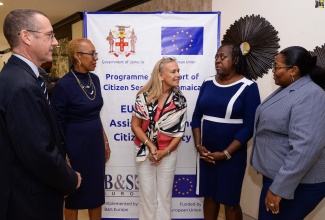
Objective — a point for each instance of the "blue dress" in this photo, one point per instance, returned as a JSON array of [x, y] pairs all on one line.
[[79, 117], [224, 113]]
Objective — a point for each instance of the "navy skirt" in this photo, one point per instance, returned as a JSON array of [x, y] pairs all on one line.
[[306, 198]]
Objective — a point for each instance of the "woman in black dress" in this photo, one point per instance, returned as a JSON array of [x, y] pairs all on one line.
[[77, 102]]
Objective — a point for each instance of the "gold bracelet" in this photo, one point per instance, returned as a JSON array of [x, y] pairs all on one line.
[[145, 142], [227, 154]]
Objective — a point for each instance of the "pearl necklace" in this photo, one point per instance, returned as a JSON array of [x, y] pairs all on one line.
[[85, 87]]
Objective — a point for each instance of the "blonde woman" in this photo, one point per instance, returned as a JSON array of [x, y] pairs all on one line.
[[158, 123]]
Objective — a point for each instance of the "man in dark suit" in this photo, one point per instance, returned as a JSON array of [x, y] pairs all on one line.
[[34, 175]]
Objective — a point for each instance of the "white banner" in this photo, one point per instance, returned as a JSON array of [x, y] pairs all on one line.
[[128, 46]]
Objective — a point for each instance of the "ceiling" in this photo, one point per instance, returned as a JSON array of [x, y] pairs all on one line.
[[56, 10]]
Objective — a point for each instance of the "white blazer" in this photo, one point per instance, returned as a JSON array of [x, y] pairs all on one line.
[[289, 137]]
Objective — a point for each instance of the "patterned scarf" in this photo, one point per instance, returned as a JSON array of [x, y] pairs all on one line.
[[171, 122]]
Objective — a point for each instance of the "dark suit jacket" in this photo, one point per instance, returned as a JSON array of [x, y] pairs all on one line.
[[34, 176]]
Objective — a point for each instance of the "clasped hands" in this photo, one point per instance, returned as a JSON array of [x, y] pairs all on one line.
[[208, 156], [155, 155]]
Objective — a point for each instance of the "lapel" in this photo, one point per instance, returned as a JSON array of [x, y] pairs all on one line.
[[22, 64], [59, 136], [280, 93]]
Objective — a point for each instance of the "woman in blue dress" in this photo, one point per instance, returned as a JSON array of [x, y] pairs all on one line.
[[222, 124], [77, 102]]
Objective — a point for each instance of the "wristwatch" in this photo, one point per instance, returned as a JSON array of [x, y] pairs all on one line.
[[228, 156]]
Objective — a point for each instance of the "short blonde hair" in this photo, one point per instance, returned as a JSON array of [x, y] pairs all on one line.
[[74, 46]]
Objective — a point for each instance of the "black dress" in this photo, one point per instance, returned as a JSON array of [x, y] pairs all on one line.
[[79, 117]]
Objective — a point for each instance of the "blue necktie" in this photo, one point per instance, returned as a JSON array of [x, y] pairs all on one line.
[[42, 83]]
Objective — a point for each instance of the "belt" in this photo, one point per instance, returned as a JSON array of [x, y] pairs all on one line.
[[223, 120]]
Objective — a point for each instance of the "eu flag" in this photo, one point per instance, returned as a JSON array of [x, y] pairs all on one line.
[[182, 40], [184, 186]]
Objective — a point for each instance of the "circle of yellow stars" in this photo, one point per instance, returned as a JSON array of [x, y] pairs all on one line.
[[179, 47], [179, 181]]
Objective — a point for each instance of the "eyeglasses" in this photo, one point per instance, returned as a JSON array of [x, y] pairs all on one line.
[[94, 54], [165, 60], [222, 56], [278, 67], [169, 58], [50, 34]]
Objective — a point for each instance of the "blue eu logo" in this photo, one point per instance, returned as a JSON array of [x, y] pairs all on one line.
[[182, 40], [184, 186]]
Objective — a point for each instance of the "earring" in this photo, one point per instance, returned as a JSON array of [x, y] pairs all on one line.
[[79, 63], [292, 79]]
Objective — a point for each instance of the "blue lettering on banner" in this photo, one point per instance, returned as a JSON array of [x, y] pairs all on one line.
[[127, 77], [130, 136], [122, 123], [186, 138], [136, 62], [186, 61], [122, 62], [127, 108], [114, 87], [135, 87], [113, 62], [190, 87], [188, 124], [124, 137], [184, 77]]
